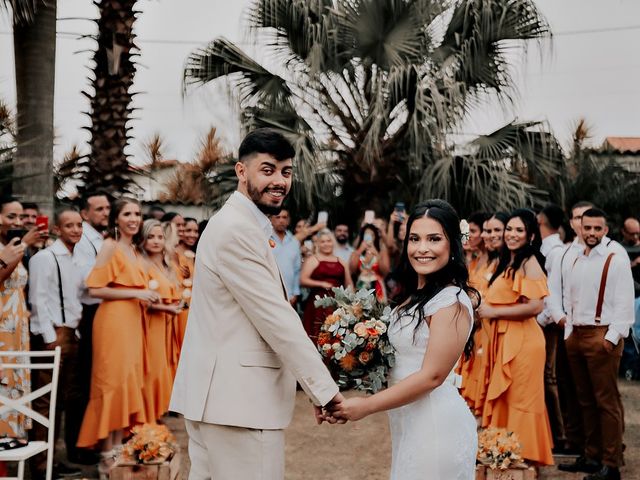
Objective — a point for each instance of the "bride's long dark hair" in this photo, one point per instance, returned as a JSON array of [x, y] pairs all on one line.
[[453, 273]]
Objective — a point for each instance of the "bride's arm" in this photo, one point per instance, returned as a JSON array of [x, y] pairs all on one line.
[[449, 328]]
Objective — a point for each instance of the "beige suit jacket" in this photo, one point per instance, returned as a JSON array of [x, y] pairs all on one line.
[[244, 345]]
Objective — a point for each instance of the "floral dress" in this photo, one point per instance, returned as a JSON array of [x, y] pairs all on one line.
[[14, 335]]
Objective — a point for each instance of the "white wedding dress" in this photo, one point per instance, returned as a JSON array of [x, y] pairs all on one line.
[[435, 437]]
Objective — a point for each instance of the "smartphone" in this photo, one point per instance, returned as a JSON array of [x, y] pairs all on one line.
[[42, 222], [323, 217], [308, 244], [15, 233], [369, 216], [399, 209]]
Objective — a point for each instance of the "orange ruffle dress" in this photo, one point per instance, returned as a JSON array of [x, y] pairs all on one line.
[[158, 334], [115, 401], [515, 395], [475, 369], [184, 263]]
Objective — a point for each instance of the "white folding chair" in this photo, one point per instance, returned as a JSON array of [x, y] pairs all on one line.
[[23, 405]]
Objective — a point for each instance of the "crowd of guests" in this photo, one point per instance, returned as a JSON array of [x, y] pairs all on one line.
[[111, 288], [557, 308]]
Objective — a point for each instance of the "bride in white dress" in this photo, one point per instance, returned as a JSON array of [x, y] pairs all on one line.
[[433, 432]]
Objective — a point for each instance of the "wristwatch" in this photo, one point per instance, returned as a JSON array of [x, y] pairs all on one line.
[[3, 264]]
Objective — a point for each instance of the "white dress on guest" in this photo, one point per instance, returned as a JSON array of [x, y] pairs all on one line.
[[434, 437]]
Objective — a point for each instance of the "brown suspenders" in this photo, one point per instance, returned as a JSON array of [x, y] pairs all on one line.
[[603, 284]]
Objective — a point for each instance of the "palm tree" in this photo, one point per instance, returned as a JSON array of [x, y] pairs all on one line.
[[209, 178], [371, 91], [34, 42], [107, 164], [596, 176]]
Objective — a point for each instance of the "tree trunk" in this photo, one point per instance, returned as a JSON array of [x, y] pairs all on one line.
[[111, 100], [35, 52]]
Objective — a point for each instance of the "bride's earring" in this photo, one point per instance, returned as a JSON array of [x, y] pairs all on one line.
[[116, 232]]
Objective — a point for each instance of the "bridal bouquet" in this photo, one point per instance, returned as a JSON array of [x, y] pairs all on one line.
[[353, 339], [499, 449], [150, 443]]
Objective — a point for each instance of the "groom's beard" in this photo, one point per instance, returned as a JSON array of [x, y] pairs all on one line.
[[266, 208], [342, 240]]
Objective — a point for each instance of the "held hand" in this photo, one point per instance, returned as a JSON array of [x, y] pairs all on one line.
[[33, 236], [326, 285], [293, 300], [352, 409], [13, 252], [562, 322], [608, 346], [148, 296], [52, 345]]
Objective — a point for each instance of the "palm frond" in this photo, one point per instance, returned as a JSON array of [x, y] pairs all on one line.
[[23, 10], [254, 83]]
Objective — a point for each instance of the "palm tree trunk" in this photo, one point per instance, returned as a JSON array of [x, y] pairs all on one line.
[[35, 52], [111, 100]]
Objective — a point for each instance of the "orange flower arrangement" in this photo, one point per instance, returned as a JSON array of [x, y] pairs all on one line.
[[150, 443], [499, 449]]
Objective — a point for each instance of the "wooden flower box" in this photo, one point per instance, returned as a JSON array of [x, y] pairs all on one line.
[[168, 470], [486, 473]]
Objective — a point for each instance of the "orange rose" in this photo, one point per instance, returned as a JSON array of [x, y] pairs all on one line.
[[324, 337], [364, 357], [331, 319], [373, 332]]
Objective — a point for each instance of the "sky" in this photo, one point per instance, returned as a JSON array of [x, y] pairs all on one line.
[[590, 69]]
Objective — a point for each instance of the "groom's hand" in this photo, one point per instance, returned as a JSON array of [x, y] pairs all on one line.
[[322, 413]]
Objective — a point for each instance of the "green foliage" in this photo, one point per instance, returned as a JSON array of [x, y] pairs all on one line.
[[371, 91]]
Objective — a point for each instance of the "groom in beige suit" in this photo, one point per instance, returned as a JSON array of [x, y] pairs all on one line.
[[245, 346]]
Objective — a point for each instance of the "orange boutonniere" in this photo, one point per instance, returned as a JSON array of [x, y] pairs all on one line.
[[272, 243]]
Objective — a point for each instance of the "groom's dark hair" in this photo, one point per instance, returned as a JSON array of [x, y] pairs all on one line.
[[265, 140]]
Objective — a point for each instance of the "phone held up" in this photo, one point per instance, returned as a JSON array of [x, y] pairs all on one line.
[[42, 222], [15, 233]]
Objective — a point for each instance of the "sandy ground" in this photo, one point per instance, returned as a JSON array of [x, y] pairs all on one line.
[[361, 450]]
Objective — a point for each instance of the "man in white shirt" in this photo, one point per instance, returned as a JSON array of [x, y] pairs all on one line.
[[55, 285], [343, 248], [94, 209], [599, 303], [550, 219]]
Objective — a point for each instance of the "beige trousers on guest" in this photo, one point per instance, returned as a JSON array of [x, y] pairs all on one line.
[[219, 452]]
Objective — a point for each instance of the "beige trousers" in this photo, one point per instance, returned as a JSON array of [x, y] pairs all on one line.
[[219, 452]]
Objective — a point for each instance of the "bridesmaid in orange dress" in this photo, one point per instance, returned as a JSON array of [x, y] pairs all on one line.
[[515, 396], [186, 264], [159, 319], [475, 369], [183, 263], [118, 278]]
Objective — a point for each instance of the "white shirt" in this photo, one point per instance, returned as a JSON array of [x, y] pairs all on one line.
[[583, 286], [44, 290], [86, 251], [552, 248], [343, 252], [261, 218]]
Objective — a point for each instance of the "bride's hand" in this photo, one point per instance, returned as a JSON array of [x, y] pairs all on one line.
[[351, 409]]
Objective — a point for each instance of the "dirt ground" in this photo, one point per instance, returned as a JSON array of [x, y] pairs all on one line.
[[362, 450]]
